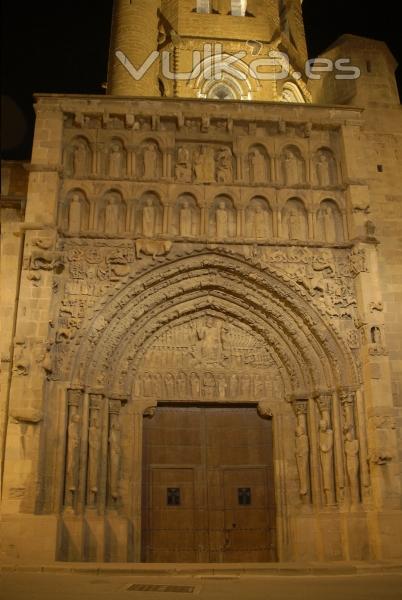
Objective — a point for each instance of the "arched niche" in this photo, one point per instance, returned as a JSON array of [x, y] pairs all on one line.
[[330, 222], [186, 216], [78, 157], [150, 166], [116, 159], [259, 164], [222, 218], [293, 166], [75, 212], [111, 212], [149, 215], [325, 168], [307, 352], [295, 220], [259, 219], [291, 93]]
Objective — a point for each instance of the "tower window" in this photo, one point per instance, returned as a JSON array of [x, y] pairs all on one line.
[[369, 67], [239, 8], [203, 6]]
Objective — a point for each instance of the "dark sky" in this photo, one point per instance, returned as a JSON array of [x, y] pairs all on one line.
[[58, 47]]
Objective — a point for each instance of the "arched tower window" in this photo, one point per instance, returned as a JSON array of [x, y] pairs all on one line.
[[239, 8], [203, 6]]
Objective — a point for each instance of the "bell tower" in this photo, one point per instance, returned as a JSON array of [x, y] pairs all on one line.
[[216, 49]]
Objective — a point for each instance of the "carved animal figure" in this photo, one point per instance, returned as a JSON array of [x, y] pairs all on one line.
[[152, 248]]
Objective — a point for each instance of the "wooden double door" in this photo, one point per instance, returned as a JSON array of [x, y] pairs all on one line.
[[208, 486]]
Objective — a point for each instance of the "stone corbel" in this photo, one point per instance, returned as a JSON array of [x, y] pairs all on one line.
[[264, 410]]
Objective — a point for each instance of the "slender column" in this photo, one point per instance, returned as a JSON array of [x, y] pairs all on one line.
[[314, 454], [362, 433], [339, 454], [114, 458]]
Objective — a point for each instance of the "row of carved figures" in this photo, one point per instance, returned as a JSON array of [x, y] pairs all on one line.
[[98, 486], [331, 479], [149, 218], [206, 385], [201, 163]]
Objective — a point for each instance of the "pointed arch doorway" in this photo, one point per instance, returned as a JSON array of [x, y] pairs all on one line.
[[208, 485]]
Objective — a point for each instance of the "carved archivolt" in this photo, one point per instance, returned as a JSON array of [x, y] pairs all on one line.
[[301, 348]]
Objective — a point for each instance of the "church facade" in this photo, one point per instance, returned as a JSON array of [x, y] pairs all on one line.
[[201, 297]]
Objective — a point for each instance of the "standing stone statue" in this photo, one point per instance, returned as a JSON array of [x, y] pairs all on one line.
[[80, 160], [183, 165], [112, 216], [258, 167], [323, 170], [222, 221], [169, 385], [195, 386], [114, 456], [204, 165], [260, 223], [149, 219], [326, 443], [116, 161], [73, 458], [295, 226], [74, 215], [150, 162], [352, 448], [302, 458], [186, 218], [292, 167], [94, 444], [224, 167], [329, 225]]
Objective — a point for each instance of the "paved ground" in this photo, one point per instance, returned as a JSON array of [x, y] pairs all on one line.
[[56, 586]]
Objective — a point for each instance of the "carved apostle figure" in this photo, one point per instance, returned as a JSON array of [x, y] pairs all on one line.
[[222, 387], [260, 223], [329, 224], [302, 458], [352, 464], [224, 168], [112, 216], [94, 444], [209, 386], [79, 160], [204, 165], [74, 215], [183, 165], [149, 218], [234, 385], [186, 218], [72, 466], [258, 167], [326, 442], [323, 170], [150, 162], [114, 456], [195, 386], [169, 385], [222, 221], [116, 161], [182, 385], [292, 167], [295, 225]]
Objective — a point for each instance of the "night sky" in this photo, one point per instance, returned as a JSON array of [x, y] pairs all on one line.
[[62, 48]]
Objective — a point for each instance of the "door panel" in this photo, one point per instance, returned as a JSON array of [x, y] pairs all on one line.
[[208, 486]]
